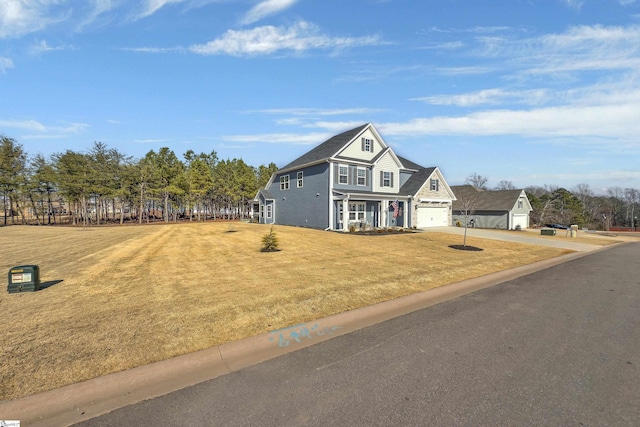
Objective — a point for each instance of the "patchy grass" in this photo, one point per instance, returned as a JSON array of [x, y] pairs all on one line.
[[133, 295]]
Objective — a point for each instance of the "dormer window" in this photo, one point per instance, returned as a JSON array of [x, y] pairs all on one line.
[[367, 145]]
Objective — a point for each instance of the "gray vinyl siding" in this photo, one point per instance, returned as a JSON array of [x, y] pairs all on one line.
[[352, 184], [306, 206], [485, 219]]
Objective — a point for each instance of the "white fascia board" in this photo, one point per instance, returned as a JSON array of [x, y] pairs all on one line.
[[435, 200]]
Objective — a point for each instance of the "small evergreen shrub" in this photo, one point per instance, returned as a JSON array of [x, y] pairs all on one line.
[[270, 242]]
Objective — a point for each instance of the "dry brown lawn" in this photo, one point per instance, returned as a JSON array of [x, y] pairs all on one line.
[[133, 295]]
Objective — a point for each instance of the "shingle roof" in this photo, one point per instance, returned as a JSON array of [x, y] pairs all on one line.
[[327, 149], [485, 200], [415, 182], [409, 164]]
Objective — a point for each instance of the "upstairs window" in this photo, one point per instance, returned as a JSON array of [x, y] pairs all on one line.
[[343, 172], [520, 203], [300, 179], [435, 185], [387, 179], [284, 182], [367, 145], [362, 176]]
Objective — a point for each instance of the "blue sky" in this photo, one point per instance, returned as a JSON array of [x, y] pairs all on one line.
[[535, 92]]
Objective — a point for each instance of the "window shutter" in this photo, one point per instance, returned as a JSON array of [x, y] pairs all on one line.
[[353, 171], [362, 144], [381, 179], [336, 174], [391, 179]]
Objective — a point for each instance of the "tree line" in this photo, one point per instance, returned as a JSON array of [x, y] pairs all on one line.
[[104, 185], [618, 207]]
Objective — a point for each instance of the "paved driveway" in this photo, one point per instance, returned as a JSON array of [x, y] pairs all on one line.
[[516, 236]]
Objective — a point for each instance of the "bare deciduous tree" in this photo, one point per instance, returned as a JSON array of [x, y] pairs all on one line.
[[477, 181], [505, 185]]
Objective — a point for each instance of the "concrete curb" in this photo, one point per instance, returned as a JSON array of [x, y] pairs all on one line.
[[82, 401]]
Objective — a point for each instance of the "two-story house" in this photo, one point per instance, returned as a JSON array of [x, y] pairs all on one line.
[[355, 179]]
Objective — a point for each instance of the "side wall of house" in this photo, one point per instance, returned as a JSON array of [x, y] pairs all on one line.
[[484, 219], [306, 206]]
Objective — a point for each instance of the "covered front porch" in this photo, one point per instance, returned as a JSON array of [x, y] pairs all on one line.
[[369, 211]]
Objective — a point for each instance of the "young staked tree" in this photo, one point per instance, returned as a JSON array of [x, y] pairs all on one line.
[[467, 203]]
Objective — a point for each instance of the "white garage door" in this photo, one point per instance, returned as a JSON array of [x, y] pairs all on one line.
[[520, 220], [433, 217]]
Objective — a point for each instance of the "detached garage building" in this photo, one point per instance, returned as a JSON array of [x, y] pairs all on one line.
[[501, 209]]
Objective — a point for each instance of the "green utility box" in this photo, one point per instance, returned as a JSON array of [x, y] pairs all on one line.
[[548, 232], [24, 278]]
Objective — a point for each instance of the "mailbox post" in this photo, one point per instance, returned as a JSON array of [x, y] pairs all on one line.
[[24, 278]]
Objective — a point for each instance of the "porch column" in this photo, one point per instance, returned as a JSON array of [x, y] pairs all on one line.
[[345, 215]]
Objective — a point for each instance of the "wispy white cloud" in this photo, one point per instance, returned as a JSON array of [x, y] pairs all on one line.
[[43, 47], [266, 8], [611, 122], [581, 48], [149, 7], [280, 138], [265, 40], [575, 4], [19, 17], [42, 131], [495, 96], [5, 64], [317, 111]]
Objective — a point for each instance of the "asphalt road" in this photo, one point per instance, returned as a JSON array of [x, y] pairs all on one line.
[[560, 347]]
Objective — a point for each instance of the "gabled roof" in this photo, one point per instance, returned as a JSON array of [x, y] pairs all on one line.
[[485, 200], [265, 194], [327, 149], [416, 181], [408, 164]]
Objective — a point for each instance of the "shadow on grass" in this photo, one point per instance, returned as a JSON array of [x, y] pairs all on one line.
[[50, 283], [465, 248]]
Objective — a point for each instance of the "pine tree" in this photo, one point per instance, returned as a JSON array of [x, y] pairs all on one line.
[[270, 242]]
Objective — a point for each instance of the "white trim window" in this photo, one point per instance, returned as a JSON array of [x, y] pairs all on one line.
[[356, 211], [435, 185], [300, 179], [269, 211], [343, 174], [367, 145], [284, 182], [520, 203], [362, 176], [386, 179]]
